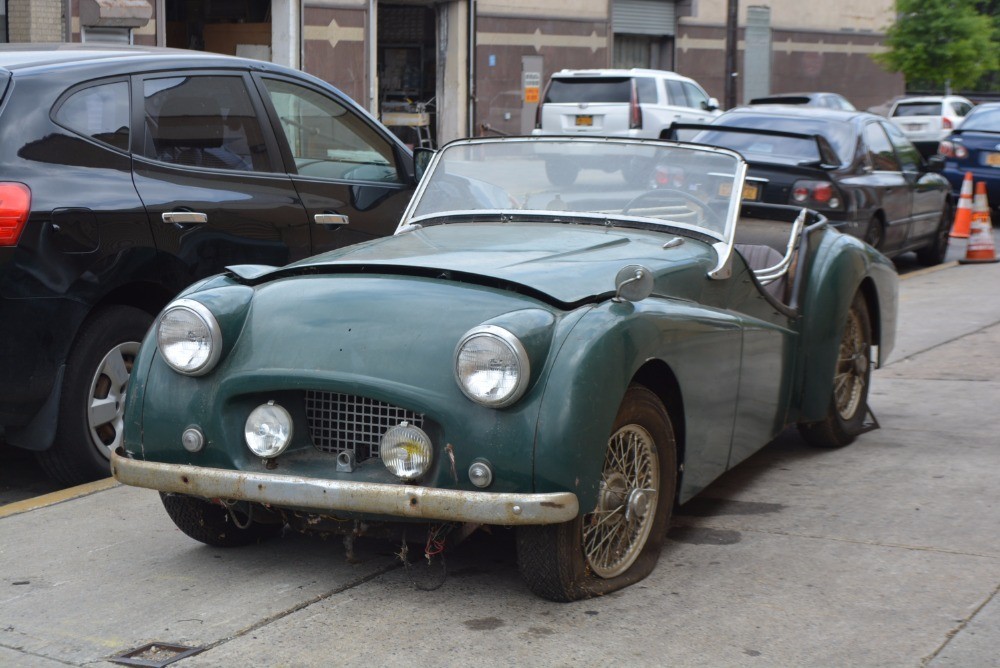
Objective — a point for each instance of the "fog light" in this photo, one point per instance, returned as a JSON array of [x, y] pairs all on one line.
[[192, 439], [268, 430], [480, 473], [406, 451]]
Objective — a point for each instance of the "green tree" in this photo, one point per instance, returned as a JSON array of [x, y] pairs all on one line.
[[941, 43]]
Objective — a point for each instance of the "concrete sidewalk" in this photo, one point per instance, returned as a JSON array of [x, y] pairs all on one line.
[[885, 553]]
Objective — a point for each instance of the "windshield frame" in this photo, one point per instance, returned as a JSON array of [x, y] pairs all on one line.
[[721, 240]]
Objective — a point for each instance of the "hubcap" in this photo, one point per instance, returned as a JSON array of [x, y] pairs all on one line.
[[106, 402], [616, 531], [852, 368]]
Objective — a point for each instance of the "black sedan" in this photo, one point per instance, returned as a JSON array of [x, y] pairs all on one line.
[[856, 168], [128, 173], [975, 147]]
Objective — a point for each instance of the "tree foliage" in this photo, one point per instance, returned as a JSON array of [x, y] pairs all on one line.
[[943, 42]]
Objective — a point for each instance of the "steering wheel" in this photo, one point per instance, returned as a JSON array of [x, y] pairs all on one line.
[[667, 198]]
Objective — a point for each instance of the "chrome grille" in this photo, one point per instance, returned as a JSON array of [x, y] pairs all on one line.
[[347, 423]]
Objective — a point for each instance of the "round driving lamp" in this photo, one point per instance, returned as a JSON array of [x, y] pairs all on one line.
[[406, 451], [268, 430], [189, 337], [491, 366]]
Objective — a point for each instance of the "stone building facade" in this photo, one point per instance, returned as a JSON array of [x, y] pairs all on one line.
[[483, 63]]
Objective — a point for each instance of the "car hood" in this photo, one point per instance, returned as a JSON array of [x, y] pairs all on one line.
[[567, 263]]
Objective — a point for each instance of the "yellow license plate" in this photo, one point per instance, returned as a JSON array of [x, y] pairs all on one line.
[[993, 159], [587, 121], [751, 191]]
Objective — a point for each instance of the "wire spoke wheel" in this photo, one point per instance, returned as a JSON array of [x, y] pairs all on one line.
[[852, 368], [615, 532], [618, 542]]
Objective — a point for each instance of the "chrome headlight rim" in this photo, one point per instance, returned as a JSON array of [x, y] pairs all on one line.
[[214, 331], [514, 345]]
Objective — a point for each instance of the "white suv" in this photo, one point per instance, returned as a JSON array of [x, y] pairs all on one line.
[[927, 120], [624, 103]]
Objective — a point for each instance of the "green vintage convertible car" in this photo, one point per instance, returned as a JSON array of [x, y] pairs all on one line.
[[571, 361]]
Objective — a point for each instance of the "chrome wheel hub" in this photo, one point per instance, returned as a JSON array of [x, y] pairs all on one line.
[[106, 401]]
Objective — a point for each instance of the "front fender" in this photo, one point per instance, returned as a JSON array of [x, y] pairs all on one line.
[[594, 366]]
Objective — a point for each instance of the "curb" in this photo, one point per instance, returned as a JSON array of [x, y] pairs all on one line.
[[54, 498]]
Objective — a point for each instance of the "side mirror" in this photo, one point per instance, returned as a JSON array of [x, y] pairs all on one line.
[[935, 163], [633, 283], [421, 158], [711, 105]]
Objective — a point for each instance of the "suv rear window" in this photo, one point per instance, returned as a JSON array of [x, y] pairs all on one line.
[[918, 109], [589, 90], [100, 112]]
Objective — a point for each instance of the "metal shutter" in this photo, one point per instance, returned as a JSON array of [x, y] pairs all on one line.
[[644, 17]]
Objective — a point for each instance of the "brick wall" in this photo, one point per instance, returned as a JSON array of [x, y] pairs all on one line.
[[35, 21]]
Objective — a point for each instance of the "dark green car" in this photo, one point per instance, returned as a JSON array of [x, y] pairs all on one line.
[[571, 361]]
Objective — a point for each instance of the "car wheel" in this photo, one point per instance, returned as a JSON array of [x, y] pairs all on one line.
[[875, 233], [93, 395], [561, 171], [933, 253], [213, 524], [849, 404], [618, 542]]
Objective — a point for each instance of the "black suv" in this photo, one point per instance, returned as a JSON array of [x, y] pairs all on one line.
[[128, 173]]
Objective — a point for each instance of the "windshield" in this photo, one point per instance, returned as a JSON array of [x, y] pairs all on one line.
[[585, 180], [985, 119]]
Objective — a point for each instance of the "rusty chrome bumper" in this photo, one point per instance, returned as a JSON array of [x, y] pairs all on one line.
[[327, 496]]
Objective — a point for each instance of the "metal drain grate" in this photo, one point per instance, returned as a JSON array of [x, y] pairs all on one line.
[[155, 655]]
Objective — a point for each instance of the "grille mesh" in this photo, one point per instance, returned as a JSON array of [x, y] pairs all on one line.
[[347, 423]]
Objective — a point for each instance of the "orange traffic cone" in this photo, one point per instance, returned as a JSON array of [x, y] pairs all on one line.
[[980, 248], [963, 214]]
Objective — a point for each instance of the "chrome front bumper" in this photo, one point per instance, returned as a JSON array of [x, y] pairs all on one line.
[[330, 496]]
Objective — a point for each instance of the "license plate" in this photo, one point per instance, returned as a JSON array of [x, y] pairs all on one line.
[[914, 127], [586, 121], [751, 191], [993, 159]]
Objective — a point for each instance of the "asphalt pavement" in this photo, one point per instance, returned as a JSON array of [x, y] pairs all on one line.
[[884, 553]]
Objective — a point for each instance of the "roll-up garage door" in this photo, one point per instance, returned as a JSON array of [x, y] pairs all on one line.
[[644, 17]]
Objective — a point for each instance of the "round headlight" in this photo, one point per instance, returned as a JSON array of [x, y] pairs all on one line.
[[491, 366], [406, 451], [268, 430], [189, 337]]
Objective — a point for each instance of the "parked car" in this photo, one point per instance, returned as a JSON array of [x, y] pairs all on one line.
[[126, 174], [570, 363], [617, 103], [855, 168], [623, 103], [974, 146], [927, 120], [827, 100]]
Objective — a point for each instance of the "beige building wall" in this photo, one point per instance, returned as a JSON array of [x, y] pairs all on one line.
[[35, 21], [841, 15]]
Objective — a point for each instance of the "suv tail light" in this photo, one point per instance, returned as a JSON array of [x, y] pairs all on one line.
[[817, 194], [634, 110], [946, 123], [15, 204]]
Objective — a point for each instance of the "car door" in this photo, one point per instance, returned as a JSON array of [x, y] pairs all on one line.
[[893, 191], [927, 191], [354, 179], [208, 172]]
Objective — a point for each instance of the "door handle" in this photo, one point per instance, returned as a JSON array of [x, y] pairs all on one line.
[[336, 219], [184, 217]]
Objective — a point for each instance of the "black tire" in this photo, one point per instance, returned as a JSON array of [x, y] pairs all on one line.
[[849, 404], [875, 234], [561, 171], [211, 523], [934, 253], [555, 560], [93, 395]]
